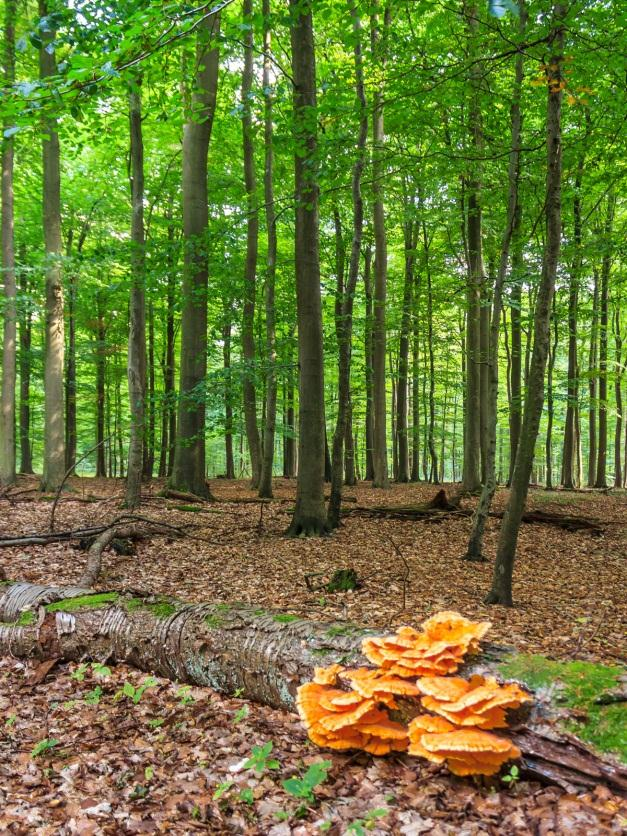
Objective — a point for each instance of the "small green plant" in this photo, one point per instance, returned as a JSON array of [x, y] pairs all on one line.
[[139, 791], [240, 715], [10, 721], [79, 673], [149, 772], [93, 697], [246, 795], [359, 827], [282, 815], [155, 722], [222, 788], [260, 760], [68, 705], [44, 746], [238, 692], [304, 787], [100, 670], [512, 777], [135, 694], [185, 695]]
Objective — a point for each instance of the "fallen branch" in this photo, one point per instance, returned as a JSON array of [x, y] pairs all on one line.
[[265, 654]]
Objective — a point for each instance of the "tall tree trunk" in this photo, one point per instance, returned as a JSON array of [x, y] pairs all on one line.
[[101, 359], [136, 363], [265, 485], [415, 380], [475, 542], [250, 269], [9, 340], [592, 384], [515, 379], [473, 443], [368, 361], [618, 379], [309, 515], [550, 408], [346, 293], [228, 393], [433, 456], [501, 591], [606, 266], [70, 373], [188, 471], [26, 456], [350, 449], [168, 415], [379, 437], [402, 392], [149, 434], [54, 425], [572, 396], [289, 445]]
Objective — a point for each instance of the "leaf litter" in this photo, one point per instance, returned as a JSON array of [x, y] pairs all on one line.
[[174, 760]]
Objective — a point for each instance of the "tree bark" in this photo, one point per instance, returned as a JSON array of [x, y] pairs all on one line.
[[346, 293], [369, 429], [475, 543], [606, 266], [188, 471], [101, 360], [433, 472], [473, 444], [550, 403], [54, 425], [26, 457], [250, 269], [572, 396], [136, 363], [267, 464], [501, 591], [168, 413], [515, 415], [258, 653], [309, 515], [9, 338], [379, 433], [402, 392], [592, 384], [618, 379]]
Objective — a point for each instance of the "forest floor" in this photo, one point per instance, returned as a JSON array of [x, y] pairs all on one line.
[[165, 764]]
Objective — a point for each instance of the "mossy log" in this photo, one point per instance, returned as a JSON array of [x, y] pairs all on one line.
[[264, 655]]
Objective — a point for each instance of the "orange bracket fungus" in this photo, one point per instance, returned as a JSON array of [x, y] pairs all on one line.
[[347, 708]]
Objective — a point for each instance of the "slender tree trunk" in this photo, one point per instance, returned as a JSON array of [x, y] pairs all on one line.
[[350, 449], [250, 270], [501, 591], [265, 486], [101, 358], [415, 381], [70, 373], [475, 542], [368, 362], [188, 471], [592, 384], [346, 293], [572, 396], [379, 437], [473, 444], [601, 478], [618, 379], [54, 430], [136, 364], [309, 515], [402, 391], [9, 341], [433, 456], [289, 445], [168, 417], [26, 457], [228, 393], [149, 434], [515, 380], [550, 409]]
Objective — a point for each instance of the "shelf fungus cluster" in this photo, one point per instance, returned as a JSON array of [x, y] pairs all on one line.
[[347, 708]]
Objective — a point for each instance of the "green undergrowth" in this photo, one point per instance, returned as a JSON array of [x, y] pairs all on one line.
[[99, 599], [580, 684], [160, 609]]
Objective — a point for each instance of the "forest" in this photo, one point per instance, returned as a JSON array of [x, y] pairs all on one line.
[[312, 395]]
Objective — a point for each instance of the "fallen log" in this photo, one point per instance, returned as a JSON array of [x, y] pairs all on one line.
[[265, 655], [439, 512]]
